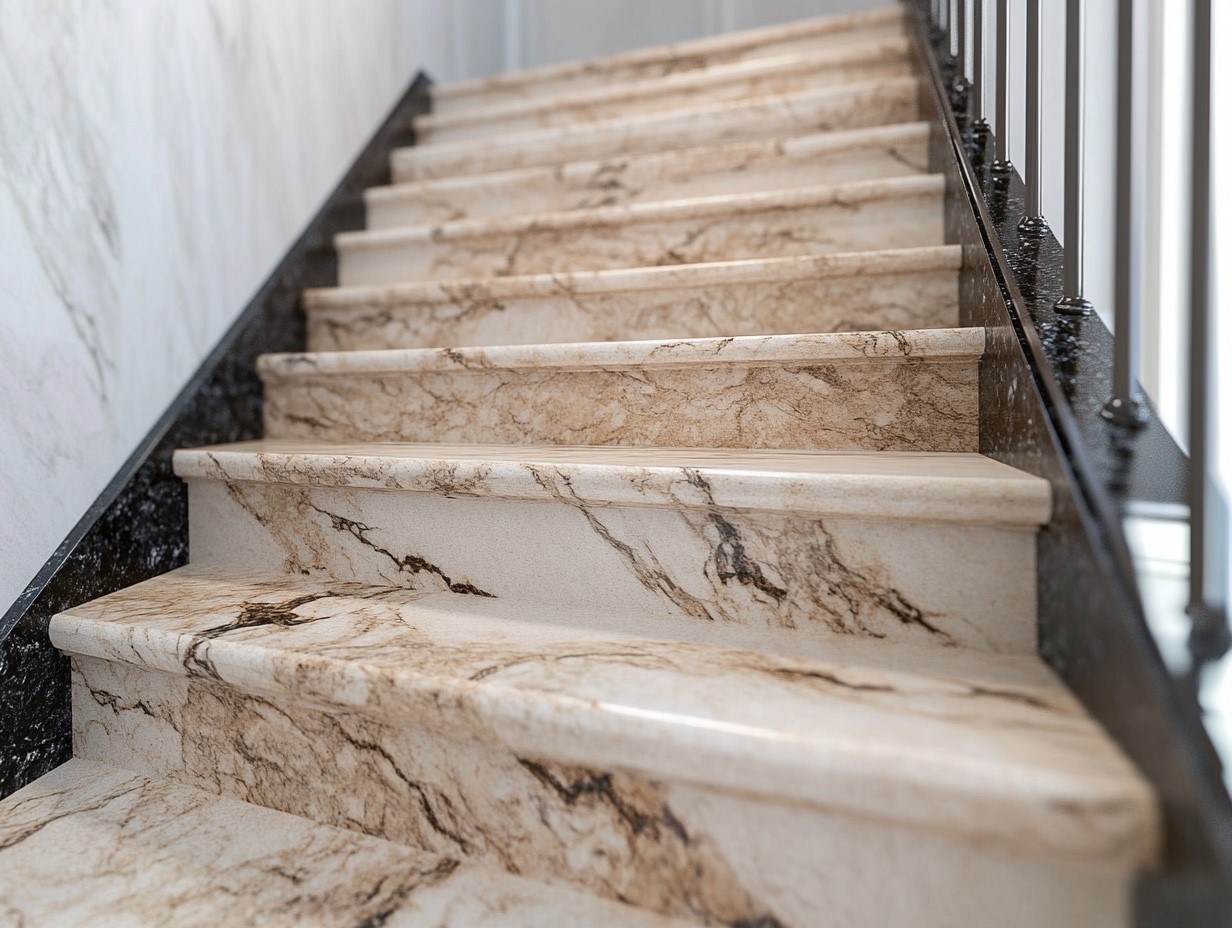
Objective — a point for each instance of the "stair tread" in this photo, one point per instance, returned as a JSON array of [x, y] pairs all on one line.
[[957, 344], [686, 127], [838, 156], [737, 153], [887, 261], [873, 51], [929, 486], [149, 853], [690, 49], [724, 205], [997, 750]]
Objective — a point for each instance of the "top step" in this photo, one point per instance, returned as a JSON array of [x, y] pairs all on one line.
[[811, 35]]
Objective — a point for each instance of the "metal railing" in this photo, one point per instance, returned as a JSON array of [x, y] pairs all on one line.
[[963, 24]]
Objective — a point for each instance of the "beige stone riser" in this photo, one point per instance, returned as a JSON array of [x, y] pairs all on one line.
[[846, 578], [665, 846], [744, 167], [884, 102], [472, 314], [815, 37], [774, 77], [808, 221]]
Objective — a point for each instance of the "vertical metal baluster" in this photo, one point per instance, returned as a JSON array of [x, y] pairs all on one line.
[[952, 23], [1124, 408], [1210, 634], [959, 44], [1072, 303], [1033, 223], [1001, 164], [979, 102]]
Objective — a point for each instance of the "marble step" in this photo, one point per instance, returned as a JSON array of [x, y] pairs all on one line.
[[734, 167], [861, 63], [97, 845], [850, 106], [914, 288], [676, 766], [900, 212], [872, 391], [818, 35], [931, 550]]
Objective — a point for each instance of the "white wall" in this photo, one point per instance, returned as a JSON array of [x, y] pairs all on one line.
[[156, 159], [547, 31]]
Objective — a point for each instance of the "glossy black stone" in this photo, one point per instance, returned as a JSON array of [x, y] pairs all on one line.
[[1043, 381], [138, 527]]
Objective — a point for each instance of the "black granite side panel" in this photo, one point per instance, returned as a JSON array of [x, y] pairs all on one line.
[[138, 527], [1042, 383]]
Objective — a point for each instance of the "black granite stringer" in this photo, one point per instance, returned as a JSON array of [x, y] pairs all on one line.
[[138, 527], [1042, 381]]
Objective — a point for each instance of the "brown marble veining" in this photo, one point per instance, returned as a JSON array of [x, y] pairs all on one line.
[[880, 102], [890, 213], [893, 289], [867, 391], [858, 63]]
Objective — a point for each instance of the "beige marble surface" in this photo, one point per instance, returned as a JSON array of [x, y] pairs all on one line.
[[900, 212], [816, 36], [878, 103], [744, 80], [914, 288], [146, 852], [920, 486], [880, 391], [734, 167], [713, 856], [700, 541], [1001, 755]]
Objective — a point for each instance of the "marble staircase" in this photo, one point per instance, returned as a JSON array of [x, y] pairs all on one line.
[[619, 552]]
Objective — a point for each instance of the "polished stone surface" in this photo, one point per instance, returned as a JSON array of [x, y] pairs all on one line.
[[882, 391], [911, 288], [151, 854], [733, 167], [871, 104], [857, 63], [901, 212], [814, 36]]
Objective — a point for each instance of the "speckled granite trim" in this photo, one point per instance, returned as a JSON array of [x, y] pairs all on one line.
[[138, 527]]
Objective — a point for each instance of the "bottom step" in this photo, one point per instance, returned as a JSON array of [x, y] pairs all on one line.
[[94, 845]]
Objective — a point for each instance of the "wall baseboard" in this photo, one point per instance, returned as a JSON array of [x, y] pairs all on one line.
[[138, 526]]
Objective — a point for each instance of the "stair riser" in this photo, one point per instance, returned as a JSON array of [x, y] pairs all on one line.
[[477, 317], [695, 173], [666, 846], [930, 584], [898, 405], [902, 221], [597, 75], [885, 103], [484, 124]]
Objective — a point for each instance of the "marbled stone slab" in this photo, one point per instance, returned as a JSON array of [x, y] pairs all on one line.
[[669, 700], [902, 212], [425, 720], [851, 106], [735, 167], [830, 547], [816, 36], [894, 289], [914, 486], [746, 80], [870, 391], [151, 854]]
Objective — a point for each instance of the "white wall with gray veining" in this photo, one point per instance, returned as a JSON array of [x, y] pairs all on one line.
[[156, 160], [158, 157]]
